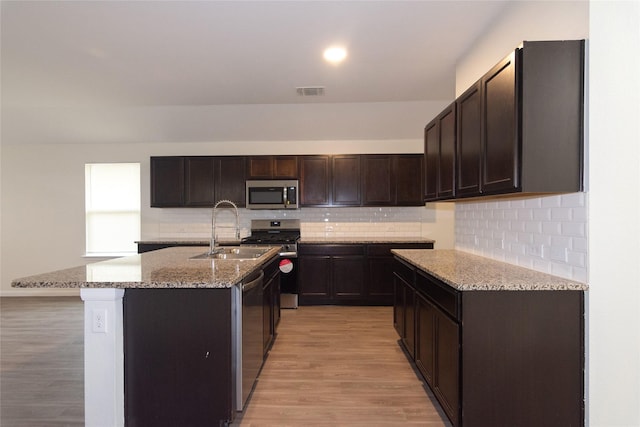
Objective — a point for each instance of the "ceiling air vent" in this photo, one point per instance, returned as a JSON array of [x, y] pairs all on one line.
[[310, 91]]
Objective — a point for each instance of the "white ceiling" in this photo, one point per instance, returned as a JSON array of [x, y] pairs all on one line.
[[68, 68]]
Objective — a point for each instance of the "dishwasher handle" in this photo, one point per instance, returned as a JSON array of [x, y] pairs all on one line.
[[253, 283]]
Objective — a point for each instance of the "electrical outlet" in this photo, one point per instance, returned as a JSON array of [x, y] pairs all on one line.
[[99, 321]]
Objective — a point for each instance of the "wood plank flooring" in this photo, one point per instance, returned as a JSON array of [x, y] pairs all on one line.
[[339, 366], [41, 362], [329, 366]]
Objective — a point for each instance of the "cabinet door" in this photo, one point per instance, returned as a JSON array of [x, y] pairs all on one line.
[[345, 181], [285, 167], [260, 167], [167, 181], [272, 167], [500, 134], [314, 275], [347, 277], [410, 319], [315, 180], [398, 304], [431, 156], [380, 279], [230, 179], [377, 180], [447, 365], [447, 153], [199, 181], [468, 141], [409, 180], [425, 338]]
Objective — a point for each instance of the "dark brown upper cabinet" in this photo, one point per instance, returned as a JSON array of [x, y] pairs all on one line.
[[468, 142], [408, 185], [377, 180], [392, 180], [230, 177], [345, 182], [431, 156], [500, 138], [178, 181], [519, 128], [273, 167], [447, 155], [199, 181], [315, 180], [167, 181], [325, 180], [552, 116], [440, 155]]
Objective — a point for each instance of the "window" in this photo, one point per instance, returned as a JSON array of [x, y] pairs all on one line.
[[112, 207]]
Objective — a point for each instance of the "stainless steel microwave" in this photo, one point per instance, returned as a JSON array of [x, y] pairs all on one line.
[[272, 194]]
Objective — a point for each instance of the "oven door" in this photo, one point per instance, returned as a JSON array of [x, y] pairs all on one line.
[[288, 280]]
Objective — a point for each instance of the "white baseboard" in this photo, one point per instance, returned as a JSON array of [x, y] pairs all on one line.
[[40, 292]]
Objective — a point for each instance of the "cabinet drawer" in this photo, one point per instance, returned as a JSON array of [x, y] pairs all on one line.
[[331, 250], [443, 295], [403, 270]]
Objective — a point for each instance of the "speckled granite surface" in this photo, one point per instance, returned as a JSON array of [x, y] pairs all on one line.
[[467, 272], [355, 239], [165, 268], [183, 241]]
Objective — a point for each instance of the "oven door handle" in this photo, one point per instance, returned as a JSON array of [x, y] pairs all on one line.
[[288, 254]]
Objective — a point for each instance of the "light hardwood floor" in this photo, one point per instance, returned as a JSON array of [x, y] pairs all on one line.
[[329, 366], [339, 366]]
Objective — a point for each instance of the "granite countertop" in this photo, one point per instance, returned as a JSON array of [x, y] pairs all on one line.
[[165, 268], [356, 239], [467, 272], [185, 241]]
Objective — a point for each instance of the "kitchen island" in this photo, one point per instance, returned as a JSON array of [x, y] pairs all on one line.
[[499, 345], [176, 295]]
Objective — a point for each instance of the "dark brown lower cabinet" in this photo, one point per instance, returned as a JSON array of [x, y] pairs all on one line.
[[496, 358], [271, 304], [437, 354], [331, 274], [348, 274], [404, 306], [178, 358]]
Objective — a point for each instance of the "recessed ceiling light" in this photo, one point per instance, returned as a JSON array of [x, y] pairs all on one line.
[[335, 55]]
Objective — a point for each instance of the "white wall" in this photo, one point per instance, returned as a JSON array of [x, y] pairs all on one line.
[[43, 200], [520, 21], [614, 214], [611, 207]]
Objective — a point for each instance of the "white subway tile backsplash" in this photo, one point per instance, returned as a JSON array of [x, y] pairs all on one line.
[[548, 233], [315, 222], [574, 229]]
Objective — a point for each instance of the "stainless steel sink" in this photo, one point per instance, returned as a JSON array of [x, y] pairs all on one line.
[[234, 253]]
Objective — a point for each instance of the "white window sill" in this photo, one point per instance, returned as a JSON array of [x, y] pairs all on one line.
[[108, 254]]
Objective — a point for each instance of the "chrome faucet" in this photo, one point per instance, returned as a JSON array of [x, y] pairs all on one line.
[[212, 243]]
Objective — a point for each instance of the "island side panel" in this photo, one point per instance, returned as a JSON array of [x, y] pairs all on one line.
[[103, 357], [178, 357], [523, 358]]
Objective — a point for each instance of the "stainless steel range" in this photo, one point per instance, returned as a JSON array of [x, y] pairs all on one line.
[[284, 233]]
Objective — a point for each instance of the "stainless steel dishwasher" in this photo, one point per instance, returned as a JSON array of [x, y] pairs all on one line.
[[249, 342]]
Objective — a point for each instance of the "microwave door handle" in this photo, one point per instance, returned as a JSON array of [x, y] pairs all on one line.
[[284, 196]]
